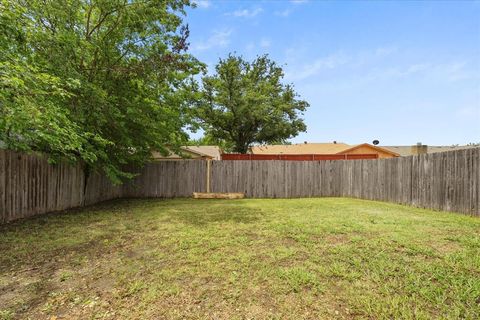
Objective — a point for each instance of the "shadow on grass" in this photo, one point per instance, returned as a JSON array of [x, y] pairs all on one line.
[[83, 230], [205, 212], [183, 210]]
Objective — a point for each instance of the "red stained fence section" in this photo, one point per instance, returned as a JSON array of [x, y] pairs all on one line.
[[297, 157]]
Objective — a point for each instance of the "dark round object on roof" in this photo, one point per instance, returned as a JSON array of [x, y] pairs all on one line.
[[375, 142]]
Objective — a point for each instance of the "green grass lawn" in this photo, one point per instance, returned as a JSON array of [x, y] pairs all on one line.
[[325, 258]]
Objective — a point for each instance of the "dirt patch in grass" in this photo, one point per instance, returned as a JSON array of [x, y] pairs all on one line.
[[337, 239], [446, 247]]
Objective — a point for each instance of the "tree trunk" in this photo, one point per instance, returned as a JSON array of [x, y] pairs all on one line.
[[86, 175], [240, 148]]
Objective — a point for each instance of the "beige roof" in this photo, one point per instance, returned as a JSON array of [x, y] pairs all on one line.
[[301, 148], [212, 151], [407, 150], [173, 156], [192, 152]]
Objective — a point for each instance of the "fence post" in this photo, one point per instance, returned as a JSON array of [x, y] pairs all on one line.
[[208, 174]]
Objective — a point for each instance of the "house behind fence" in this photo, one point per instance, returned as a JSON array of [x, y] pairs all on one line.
[[447, 181]]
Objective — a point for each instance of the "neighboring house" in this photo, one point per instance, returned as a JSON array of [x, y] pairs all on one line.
[[191, 152], [323, 149], [420, 148]]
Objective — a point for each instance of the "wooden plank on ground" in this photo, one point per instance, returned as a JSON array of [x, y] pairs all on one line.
[[218, 195]]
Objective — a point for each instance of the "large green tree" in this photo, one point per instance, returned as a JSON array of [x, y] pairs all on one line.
[[103, 81], [247, 102]]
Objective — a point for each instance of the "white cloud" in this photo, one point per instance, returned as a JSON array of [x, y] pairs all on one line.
[[384, 51], [373, 56], [455, 71], [298, 1], [265, 43], [204, 4], [217, 39], [246, 13], [375, 65], [399, 72], [329, 62], [414, 68], [469, 112], [434, 72], [353, 61], [258, 47], [283, 13]]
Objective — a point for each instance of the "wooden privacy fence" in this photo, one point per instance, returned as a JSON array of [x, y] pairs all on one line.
[[447, 181], [29, 185], [444, 181]]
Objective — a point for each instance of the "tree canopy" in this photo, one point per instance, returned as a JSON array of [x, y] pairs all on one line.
[[101, 81], [246, 102]]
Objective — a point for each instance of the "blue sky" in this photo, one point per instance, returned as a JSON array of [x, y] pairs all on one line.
[[400, 72]]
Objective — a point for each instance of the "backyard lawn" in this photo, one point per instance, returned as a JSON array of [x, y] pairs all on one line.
[[328, 258]]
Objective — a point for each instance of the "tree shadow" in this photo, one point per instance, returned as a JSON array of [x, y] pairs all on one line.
[[204, 212]]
